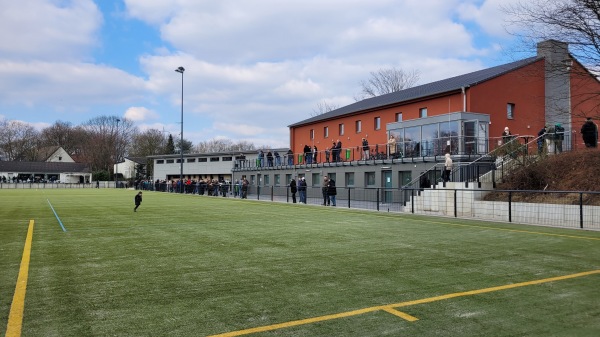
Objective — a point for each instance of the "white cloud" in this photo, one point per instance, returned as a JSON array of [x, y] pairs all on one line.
[[140, 114], [252, 67], [39, 29]]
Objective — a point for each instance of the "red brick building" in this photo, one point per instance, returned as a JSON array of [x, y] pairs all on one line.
[[448, 115]]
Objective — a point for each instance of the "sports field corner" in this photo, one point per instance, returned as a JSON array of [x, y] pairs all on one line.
[[83, 263]]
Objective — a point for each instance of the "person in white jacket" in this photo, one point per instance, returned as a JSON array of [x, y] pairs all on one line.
[[447, 168]]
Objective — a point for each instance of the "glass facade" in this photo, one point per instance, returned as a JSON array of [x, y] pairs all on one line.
[[457, 133]]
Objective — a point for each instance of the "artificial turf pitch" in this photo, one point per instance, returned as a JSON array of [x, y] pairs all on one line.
[[200, 266]]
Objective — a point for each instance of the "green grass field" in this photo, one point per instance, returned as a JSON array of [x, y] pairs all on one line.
[[201, 266]]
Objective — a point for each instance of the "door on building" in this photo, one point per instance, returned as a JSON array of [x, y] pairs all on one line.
[[388, 193], [404, 178], [470, 137]]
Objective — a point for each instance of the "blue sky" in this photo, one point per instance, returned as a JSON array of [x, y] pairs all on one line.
[[252, 67]]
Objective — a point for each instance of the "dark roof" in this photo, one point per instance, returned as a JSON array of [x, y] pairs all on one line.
[[44, 153], [42, 167], [421, 91], [138, 160]]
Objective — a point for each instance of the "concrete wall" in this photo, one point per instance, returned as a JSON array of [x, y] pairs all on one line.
[[469, 204]]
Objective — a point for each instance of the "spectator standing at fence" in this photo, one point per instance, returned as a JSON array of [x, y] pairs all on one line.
[[331, 192], [290, 157], [447, 168], [137, 200], [589, 132], [302, 190], [365, 149], [506, 135], [391, 144], [269, 158], [277, 158], [540, 140], [261, 158], [338, 150], [307, 154], [293, 190], [245, 184], [324, 188], [559, 136], [327, 153]]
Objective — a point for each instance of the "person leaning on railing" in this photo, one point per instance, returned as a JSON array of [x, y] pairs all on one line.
[[391, 145]]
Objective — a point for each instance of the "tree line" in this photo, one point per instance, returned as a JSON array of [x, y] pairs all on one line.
[[100, 142]]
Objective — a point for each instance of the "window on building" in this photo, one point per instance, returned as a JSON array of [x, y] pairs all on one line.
[[212, 159], [326, 132], [315, 179], [202, 160], [358, 126], [398, 116], [349, 178], [227, 159], [369, 179], [341, 129], [277, 180], [312, 133], [510, 110], [288, 178], [170, 161], [422, 112], [333, 177], [179, 160], [377, 123], [267, 180], [160, 161], [191, 160]]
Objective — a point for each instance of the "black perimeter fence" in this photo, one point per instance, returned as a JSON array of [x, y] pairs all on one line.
[[577, 209]]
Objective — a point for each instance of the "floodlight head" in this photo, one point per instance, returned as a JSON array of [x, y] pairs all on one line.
[[180, 70]]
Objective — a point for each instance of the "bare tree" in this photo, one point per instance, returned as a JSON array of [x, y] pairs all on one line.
[[223, 145], [323, 107], [107, 141], [385, 81], [18, 140], [65, 135], [148, 143], [576, 22]]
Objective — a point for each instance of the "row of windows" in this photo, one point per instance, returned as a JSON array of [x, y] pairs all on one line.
[[510, 114], [193, 160], [369, 179], [358, 124]]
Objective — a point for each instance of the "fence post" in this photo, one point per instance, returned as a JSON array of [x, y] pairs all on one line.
[[455, 204], [348, 197], [257, 192], [510, 206], [377, 199], [272, 187], [412, 200], [581, 209]]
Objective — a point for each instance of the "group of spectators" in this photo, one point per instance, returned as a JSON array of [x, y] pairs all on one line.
[[273, 159], [328, 190]]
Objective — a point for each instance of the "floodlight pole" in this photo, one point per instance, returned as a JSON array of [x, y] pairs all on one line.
[[117, 156], [181, 70]]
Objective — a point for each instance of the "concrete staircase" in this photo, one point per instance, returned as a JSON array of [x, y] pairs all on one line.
[[441, 200]]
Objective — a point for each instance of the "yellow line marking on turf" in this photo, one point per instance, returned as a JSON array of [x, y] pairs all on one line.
[[15, 317], [401, 314], [390, 307]]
